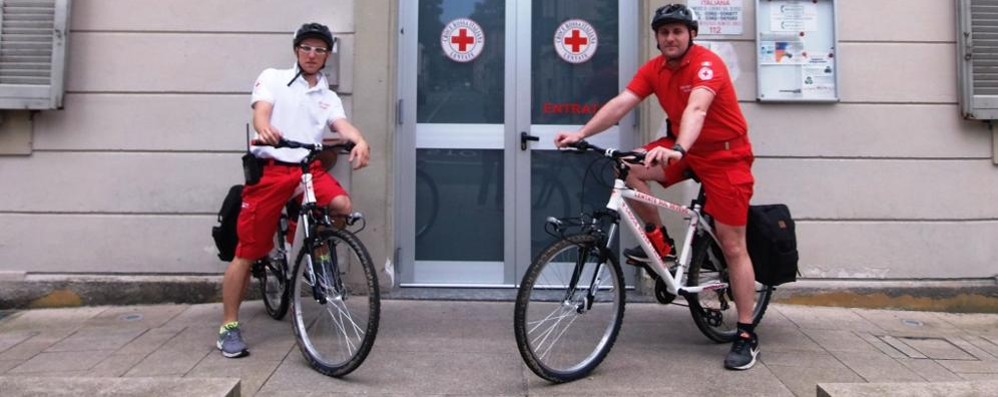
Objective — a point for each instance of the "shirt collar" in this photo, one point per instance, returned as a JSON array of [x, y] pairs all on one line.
[[687, 58], [301, 78]]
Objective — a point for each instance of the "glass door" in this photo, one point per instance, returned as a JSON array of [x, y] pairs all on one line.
[[479, 80]]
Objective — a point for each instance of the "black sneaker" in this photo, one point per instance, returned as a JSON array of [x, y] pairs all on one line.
[[743, 352], [230, 343], [637, 254]]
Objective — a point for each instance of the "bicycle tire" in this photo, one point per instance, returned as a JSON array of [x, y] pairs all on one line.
[[273, 278], [539, 294], [313, 319], [714, 311]]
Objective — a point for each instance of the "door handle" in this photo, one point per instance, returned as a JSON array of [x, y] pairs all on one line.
[[525, 137]]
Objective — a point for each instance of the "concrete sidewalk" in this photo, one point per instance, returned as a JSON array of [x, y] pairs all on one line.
[[467, 348]]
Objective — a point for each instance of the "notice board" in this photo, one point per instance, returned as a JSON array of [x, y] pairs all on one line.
[[796, 44]]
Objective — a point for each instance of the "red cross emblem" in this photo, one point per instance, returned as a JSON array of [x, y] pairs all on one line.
[[575, 41], [462, 40]]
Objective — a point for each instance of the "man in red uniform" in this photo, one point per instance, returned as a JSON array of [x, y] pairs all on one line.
[[693, 87]]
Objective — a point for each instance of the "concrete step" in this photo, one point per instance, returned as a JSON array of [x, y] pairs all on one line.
[[22, 386], [919, 389]]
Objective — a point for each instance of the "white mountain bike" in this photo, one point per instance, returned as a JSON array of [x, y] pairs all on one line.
[[570, 303]]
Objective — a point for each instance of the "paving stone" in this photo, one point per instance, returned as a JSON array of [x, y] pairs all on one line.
[[11, 339], [97, 338], [930, 370], [251, 371], [890, 346], [876, 367], [150, 340], [116, 365], [168, 363], [817, 360], [147, 316], [840, 340], [50, 319], [408, 373], [975, 323], [984, 344], [60, 362], [909, 323], [76, 386], [969, 367], [908, 389], [35, 344], [827, 318], [6, 365], [976, 377], [803, 381], [938, 349]]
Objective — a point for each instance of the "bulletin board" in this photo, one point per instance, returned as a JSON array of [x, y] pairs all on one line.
[[796, 42]]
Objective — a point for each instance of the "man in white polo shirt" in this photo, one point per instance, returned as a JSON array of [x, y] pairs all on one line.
[[296, 104]]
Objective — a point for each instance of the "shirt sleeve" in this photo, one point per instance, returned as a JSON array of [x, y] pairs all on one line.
[[712, 74], [261, 88], [336, 111], [643, 83]]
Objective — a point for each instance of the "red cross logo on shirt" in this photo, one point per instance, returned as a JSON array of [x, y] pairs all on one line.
[[576, 41], [462, 39]]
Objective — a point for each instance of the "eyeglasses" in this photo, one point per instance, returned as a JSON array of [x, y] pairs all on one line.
[[317, 50]]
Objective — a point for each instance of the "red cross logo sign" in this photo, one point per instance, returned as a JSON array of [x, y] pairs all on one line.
[[462, 40], [576, 40]]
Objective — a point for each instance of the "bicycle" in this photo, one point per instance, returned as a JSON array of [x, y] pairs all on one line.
[[577, 281], [330, 310]]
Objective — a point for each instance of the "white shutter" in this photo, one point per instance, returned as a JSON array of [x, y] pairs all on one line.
[[33, 42]]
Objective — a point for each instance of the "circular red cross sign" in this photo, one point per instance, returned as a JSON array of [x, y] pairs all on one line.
[[462, 40], [575, 40]]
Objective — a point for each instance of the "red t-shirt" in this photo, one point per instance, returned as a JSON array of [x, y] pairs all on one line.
[[700, 67]]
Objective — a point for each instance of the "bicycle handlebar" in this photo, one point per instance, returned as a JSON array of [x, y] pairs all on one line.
[[625, 156], [312, 147]]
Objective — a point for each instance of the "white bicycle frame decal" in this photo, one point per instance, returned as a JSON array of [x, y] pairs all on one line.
[[627, 216]]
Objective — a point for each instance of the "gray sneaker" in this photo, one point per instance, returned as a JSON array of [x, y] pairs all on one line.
[[231, 344]]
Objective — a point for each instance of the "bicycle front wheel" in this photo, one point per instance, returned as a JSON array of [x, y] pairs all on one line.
[[569, 308], [714, 312], [336, 303]]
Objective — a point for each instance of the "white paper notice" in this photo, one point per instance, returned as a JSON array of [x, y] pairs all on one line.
[[817, 81], [793, 16], [718, 16]]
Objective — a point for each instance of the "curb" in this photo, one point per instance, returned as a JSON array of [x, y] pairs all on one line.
[[35, 291]]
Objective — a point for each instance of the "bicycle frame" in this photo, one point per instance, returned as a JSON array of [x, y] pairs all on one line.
[[673, 283]]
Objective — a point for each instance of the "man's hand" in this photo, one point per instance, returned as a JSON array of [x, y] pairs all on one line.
[[563, 139], [660, 155], [360, 154], [269, 134]]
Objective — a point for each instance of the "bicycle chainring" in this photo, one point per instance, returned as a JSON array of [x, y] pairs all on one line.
[[662, 293]]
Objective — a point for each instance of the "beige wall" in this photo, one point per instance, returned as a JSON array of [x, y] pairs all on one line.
[[890, 182], [129, 176]]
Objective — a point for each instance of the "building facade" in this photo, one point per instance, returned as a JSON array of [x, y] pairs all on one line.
[[888, 182]]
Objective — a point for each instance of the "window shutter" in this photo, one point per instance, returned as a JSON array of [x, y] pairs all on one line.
[[33, 41]]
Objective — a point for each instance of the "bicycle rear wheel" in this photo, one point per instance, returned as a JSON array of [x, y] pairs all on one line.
[[714, 311], [563, 332], [272, 274], [336, 322]]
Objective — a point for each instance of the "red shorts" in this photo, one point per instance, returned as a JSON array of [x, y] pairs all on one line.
[[726, 175], [262, 204]]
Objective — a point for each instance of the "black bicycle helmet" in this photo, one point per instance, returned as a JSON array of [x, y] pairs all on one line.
[[314, 30], [675, 13]]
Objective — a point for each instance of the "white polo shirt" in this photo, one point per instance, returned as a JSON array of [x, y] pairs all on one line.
[[301, 113]]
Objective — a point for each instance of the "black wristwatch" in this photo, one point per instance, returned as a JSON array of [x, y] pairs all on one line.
[[679, 148]]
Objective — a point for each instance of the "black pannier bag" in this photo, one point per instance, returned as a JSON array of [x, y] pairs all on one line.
[[772, 244], [225, 232]]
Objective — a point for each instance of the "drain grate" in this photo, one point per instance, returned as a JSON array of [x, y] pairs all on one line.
[[928, 348]]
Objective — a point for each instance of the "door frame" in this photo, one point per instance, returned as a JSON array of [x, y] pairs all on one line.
[[517, 118]]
